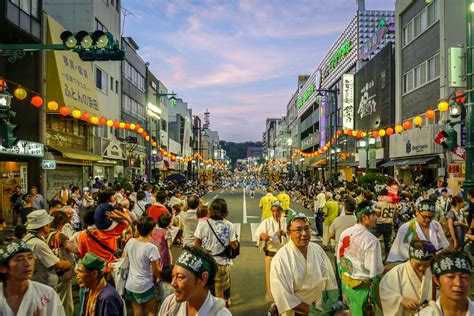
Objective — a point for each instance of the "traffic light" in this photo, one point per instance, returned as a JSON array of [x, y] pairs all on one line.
[[452, 139], [93, 46], [8, 140]]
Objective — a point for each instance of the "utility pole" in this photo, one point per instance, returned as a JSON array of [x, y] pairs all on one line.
[[469, 180]]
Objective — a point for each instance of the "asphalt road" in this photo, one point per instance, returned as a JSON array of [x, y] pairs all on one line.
[[248, 271]]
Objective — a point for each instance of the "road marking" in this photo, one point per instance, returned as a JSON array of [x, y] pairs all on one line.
[[253, 228], [237, 228], [222, 191], [244, 208], [215, 197], [252, 216]]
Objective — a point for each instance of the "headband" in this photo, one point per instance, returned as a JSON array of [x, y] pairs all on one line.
[[13, 248], [368, 210], [424, 254], [197, 265], [292, 216], [426, 205], [450, 263]]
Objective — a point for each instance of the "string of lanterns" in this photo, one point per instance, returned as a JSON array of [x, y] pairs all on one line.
[[408, 124], [21, 93]]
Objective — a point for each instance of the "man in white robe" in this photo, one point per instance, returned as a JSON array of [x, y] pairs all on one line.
[[407, 286], [452, 274], [302, 280], [359, 259], [18, 294], [423, 227], [271, 237]]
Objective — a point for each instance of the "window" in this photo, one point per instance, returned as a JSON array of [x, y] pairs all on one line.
[[116, 86], [106, 2], [421, 22], [99, 26], [164, 125], [101, 79], [111, 83], [422, 74]]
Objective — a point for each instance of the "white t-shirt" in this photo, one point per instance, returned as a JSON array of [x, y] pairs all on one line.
[[224, 230], [140, 255]]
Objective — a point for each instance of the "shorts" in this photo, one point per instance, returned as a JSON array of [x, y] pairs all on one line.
[[141, 298]]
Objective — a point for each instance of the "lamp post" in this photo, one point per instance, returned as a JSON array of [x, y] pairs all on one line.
[[469, 178], [289, 141]]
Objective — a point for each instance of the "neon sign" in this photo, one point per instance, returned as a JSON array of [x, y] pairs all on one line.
[[384, 27], [306, 95], [339, 55]]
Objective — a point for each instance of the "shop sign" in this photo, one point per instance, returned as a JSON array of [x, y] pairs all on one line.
[[463, 134], [114, 150], [455, 169], [368, 103], [24, 148], [348, 101], [414, 142], [372, 158], [322, 121], [306, 95], [384, 27], [336, 58], [70, 79], [48, 164]]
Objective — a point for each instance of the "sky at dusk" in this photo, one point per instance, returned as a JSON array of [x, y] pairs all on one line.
[[239, 59]]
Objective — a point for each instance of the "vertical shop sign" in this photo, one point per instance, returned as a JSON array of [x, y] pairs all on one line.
[[322, 121], [348, 101]]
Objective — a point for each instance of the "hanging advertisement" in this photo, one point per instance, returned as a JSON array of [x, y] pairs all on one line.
[[348, 101], [374, 92], [322, 120]]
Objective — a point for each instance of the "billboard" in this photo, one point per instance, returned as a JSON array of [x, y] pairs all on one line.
[[375, 92]]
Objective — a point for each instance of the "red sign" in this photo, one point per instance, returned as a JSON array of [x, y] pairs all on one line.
[[441, 138]]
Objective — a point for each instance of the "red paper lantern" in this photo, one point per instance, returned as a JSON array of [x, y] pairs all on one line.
[[3, 85], [407, 125], [430, 114], [102, 121], [349, 133], [86, 116], [116, 124], [144, 134], [339, 133], [358, 134], [127, 125], [37, 101], [64, 111], [389, 131]]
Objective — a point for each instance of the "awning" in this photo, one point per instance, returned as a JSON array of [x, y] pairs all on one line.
[[76, 154], [348, 164], [408, 162], [319, 163]]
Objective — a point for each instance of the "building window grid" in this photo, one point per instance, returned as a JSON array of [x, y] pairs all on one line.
[[421, 75], [134, 76], [421, 22], [99, 26], [101, 80]]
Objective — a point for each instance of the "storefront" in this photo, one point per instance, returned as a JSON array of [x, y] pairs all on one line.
[[415, 156], [110, 167], [18, 166]]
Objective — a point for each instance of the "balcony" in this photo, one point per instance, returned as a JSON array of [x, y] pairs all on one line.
[[311, 140]]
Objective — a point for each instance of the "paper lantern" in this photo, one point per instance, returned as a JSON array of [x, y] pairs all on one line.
[[20, 93], [346, 132], [363, 134], [127, 125], [153, 144], [382, 132], [339, 132], [325, 148], [76, 113], [140, 130], [37, 101], [102, 121], [3, 85], [407, 125], [64, 111], [86, 116], [430, 114], [147, 138], [389, 131], [116, 124], [443, 106], [110, 123], [398, 128], [53, 106], [358, 134], [349, 133], [132, 126], [418, 121], [375, 134], [122, 125], [144, 134], [460, 98], [94, 120]]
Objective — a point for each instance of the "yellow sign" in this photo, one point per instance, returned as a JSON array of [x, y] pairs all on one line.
[[70, 81], [463, 168]]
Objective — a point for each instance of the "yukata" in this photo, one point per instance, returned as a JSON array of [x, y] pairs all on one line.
[[212, 306], [271, 227], [38, 300], [295, 279], [436, 310], [359, 260], [412, 230], [402, 282]]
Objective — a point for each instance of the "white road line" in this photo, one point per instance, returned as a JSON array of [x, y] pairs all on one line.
[[252, 216], [215, 197], [222, 191], [244, 209], [237, 228], [253, 228]]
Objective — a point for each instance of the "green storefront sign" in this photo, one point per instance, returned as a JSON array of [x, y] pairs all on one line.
[[306, 95]]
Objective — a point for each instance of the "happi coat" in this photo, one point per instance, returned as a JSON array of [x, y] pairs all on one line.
[[294, 279], [402, 282], [271, 227], [38, 300], [435, 309], [410, 230]]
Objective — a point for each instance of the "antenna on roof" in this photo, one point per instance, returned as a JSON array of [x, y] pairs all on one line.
[[125, 13]]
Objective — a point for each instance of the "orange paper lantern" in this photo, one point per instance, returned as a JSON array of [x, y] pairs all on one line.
[[37, 101], [3, 85], [349, 133], [53, 106], [398, 128], [127, 125], [389, 131], [116, 124], [375, 134], [64, 111], [339, 133], [102, 121], [430, 114], [86, 116], [407, 125]]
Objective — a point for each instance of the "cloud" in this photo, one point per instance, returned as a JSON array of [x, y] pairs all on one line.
[[240, 58]]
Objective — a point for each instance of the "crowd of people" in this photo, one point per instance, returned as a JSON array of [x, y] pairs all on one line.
[[402, 250]]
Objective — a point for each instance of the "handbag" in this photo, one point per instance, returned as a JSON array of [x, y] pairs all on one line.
[[119, 271], [228, 252]]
